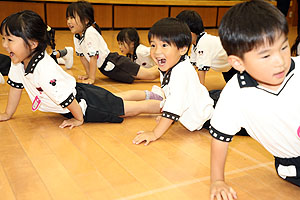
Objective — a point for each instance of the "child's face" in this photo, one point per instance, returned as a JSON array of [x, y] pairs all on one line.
[[124, 48], [17, 49], [165, 55], [75, 24], [269, 64]]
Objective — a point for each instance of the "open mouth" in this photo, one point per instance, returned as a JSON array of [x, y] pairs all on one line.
[[11, 54], [161, 61]]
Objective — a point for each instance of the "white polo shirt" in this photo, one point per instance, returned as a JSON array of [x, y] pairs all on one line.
[[187, 100], [270, 117], [91, 43], [143, 57], [209, 53], [45, 79]]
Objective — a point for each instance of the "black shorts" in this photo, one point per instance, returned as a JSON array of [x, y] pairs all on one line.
[[102, 105], [4, 64], [291, 162], [119, 68]]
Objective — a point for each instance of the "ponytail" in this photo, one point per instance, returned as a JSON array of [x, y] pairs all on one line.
[[97, 27]]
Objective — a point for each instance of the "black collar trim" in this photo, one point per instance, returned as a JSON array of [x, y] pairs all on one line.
[[197, 40], [33, 62], [167, 75], [245, 80]]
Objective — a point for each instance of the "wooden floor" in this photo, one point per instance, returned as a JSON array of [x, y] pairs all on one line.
[[40, 161]]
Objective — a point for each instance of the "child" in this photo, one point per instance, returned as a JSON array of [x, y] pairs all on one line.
[[262, 96], [49, 87], [65, 56], [4, 67], [129, 44], [186, 99], [207, 51], [93, 51]]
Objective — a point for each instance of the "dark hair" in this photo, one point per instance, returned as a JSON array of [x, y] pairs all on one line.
[[193, 20], [249, 25], [172, 31], [129, 35], [85, 11], [29, 26], [295, 47]]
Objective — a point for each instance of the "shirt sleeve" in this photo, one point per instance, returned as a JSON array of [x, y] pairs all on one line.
[[174, 104], [227, 118], [15, 76], [93, 42], [78, 50], [203, 57]]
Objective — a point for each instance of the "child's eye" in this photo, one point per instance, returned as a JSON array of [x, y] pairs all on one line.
[[284, 47], [266, 56], [152, 45], [165, 45]]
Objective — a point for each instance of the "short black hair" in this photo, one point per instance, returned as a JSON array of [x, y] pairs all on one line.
[[249, 25], [193, 20], [172, 31]]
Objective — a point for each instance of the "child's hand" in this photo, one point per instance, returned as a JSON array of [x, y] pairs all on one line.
[[157, 119], [220, 190], [4, 117], [88, 81], [71, 123], [83, 77], [144, 136]]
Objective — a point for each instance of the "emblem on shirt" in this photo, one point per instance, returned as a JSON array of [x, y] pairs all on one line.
[[53, 82]]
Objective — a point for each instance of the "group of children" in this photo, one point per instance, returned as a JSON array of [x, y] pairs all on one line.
[[259, 97]]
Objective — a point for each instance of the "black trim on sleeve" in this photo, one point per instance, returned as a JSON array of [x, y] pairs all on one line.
[[68, 101], [205, 68], [14, 84], [171, 116], [79, 54], [220, 136], [93, 53]]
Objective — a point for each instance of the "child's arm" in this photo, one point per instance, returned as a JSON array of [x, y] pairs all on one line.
[[92, 70], [14, 97], [219, 189], [86, 66], [76, 111], [158, 131], [201, 75]]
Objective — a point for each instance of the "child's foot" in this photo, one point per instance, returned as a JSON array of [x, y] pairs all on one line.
[[156, 93], [68, 57], [157, 90], [83, 77], [61, 61], [2, 80]]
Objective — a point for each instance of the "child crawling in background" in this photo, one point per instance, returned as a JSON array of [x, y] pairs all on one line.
[[129, 44], [93, 50], [50, 88], [186, 99]]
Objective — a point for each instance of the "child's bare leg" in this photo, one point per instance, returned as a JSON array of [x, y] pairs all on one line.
[[147, 73], [132, 95], [133, 108]]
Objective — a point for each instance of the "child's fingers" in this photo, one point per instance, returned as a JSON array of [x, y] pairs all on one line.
[[138, 139], [139, 132]]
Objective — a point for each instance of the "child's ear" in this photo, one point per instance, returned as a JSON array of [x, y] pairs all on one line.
[[183, 50], [236, 62], [33, 44]]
